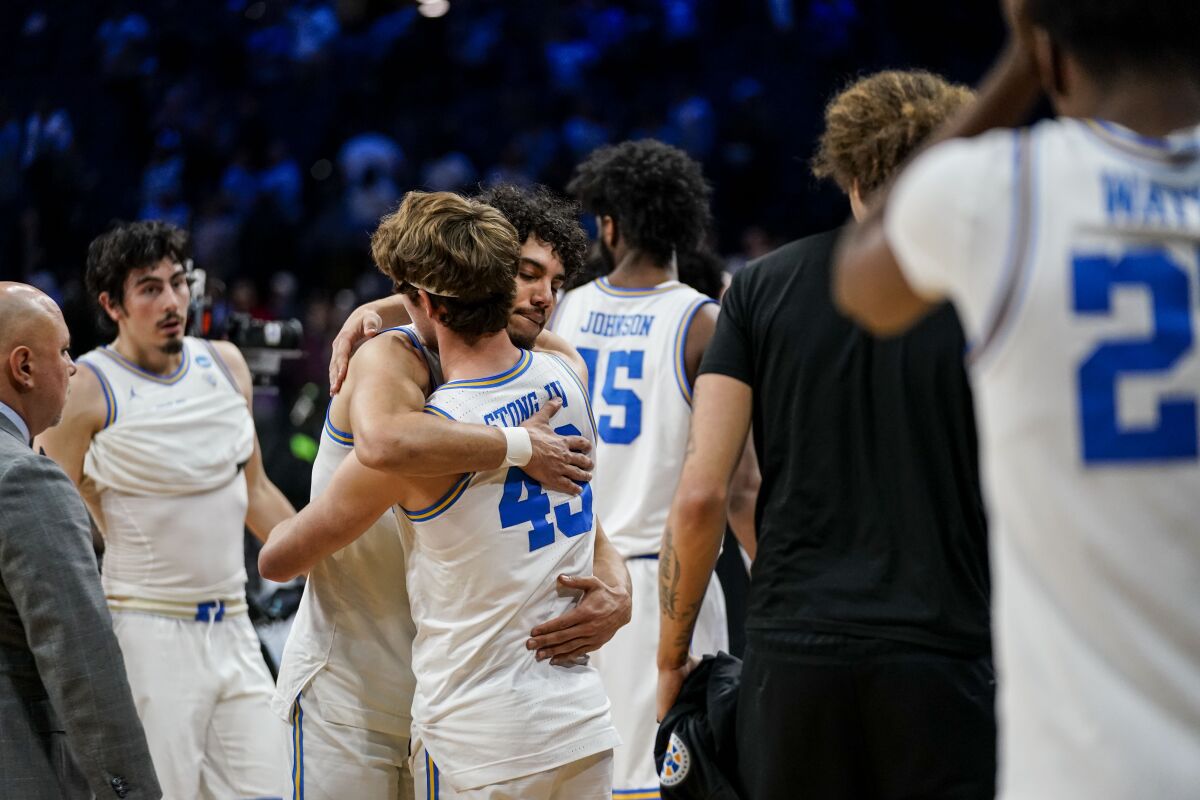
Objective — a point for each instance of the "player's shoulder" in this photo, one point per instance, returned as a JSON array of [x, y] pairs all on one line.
[[90, 391], [231, 356], [770, 274], [389, 344], [956, 162], [961, 180], [227, 351], [391, 355]]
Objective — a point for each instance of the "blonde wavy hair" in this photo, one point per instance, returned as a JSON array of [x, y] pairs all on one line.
[[876, 122], [463, 253]]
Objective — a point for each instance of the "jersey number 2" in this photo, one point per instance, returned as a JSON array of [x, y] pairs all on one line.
[[631, 362], [524, 500], [1174, 436]]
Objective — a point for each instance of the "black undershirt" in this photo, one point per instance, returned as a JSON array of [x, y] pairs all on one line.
[[870, 519]]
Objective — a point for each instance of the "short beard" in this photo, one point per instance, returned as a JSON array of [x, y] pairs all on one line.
[[519, 339], [173, 347]]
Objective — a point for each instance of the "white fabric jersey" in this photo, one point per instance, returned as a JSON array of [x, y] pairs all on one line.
[[633, 342], [482, 564], [167, 468], [354, 630], [1071, 251]]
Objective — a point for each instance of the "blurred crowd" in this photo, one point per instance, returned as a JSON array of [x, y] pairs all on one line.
[[278, 132]]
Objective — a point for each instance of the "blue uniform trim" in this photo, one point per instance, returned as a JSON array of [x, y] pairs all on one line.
[[637, 794], [412, 337], [587, 401], [433, 778], [642, 291], [110, 397], [220, 362], [444, 502], [1161, 151], [341, 437], [174, 377], [1016, 278], [512, 373], [297, 750], [437, 412], [685, 325]]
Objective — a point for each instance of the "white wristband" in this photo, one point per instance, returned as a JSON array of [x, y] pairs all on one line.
[[520, 448]]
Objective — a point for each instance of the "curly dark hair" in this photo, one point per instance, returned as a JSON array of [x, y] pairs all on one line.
[[876, 122], [1110, 36], [125, 247], [655, 193], [542, 213]]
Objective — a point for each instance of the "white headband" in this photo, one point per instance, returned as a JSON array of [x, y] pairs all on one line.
[[430, 290]]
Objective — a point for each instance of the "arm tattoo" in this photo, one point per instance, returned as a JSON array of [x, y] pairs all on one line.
[[669, 572], [668, 575]]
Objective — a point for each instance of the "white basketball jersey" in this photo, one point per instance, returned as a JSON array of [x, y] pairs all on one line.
[[354, 630], [482, 568], [1072, 251], [167, 468], [633, 342]]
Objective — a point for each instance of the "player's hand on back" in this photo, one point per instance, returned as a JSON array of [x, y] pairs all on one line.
[[595, 619], [362, 324], [559, 463]]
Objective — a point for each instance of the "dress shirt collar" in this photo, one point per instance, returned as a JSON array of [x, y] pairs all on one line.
[[8, 411]]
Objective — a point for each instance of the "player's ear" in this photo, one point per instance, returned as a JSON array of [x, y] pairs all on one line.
[[858, 206], [427, 305], [20, 367], [113, 310], [607, 228]]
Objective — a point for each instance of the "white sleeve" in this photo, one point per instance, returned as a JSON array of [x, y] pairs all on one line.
[[949, 221]]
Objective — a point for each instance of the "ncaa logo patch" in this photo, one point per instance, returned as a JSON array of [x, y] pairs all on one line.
[[676, 763], [203, 361]]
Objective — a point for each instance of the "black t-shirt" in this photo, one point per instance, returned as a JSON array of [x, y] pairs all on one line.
[[870, 518]]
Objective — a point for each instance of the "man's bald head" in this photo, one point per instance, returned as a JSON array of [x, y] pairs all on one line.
[[33, 343], [24, 311]]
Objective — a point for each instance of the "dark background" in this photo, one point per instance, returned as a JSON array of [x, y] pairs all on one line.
[[278, 132]]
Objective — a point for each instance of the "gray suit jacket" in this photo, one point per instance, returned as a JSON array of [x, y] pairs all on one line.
[[68, 726]]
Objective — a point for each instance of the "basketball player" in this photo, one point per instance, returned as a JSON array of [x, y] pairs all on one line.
[[642, 334], [1071, 250], [158, 435], [489, 719], [346, 681]]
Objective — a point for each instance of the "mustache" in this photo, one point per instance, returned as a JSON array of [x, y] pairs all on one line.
[[169, 318]]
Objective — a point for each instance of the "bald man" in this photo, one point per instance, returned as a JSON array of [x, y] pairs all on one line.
[[69, 727]]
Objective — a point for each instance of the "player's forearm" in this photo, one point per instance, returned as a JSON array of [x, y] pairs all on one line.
[[390, 310], [422, 445], [296, 545], [608, 565], [267, 508], [691, 542]]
